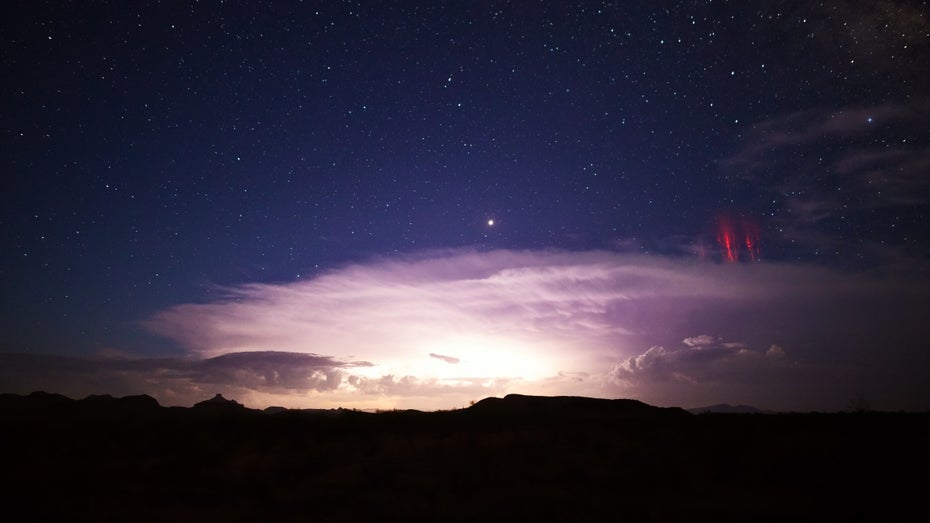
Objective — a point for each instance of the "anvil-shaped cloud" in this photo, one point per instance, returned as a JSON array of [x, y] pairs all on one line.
[[439, 329], [555, 322]]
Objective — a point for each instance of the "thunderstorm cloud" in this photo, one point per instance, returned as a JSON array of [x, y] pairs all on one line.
[[663, 329]]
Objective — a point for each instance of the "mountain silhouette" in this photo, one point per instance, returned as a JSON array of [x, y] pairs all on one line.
[[571, 407], [518, 458], [136, 402], [218, 402]]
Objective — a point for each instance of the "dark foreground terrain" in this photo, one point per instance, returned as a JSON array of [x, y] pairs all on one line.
[[519, 458]]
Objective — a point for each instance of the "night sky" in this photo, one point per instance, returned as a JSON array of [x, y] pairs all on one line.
[[409, 204]]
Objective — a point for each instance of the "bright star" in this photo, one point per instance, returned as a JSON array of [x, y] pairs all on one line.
[[490, 223]]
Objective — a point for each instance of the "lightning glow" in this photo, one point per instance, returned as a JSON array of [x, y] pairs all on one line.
[[738, 239]]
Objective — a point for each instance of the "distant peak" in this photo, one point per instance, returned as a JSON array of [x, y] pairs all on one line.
[[219, 401], [571, 407]]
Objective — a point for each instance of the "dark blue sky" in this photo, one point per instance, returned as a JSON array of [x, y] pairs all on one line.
[[155, 151]]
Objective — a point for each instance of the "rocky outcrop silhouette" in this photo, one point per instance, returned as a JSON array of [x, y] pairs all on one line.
[[219, 402], [50, 406], [572, 407]]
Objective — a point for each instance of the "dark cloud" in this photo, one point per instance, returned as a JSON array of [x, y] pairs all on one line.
[[447, 359], [257, 378], [175, 380], [271, 370]]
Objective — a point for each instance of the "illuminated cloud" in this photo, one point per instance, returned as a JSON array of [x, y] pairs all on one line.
[[548, 322], [700, 359], [515, 312], [441, 329], [695, 341]]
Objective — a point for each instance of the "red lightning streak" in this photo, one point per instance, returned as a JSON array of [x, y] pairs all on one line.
[[752, 245], [733, 236], [751, 237], [726, 239]]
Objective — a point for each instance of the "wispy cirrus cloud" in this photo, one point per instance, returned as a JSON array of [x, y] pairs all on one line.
[[824, 168], [766, 141], [893, 176]]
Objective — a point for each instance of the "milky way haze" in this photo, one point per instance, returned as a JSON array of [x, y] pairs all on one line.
[[407, 204]]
